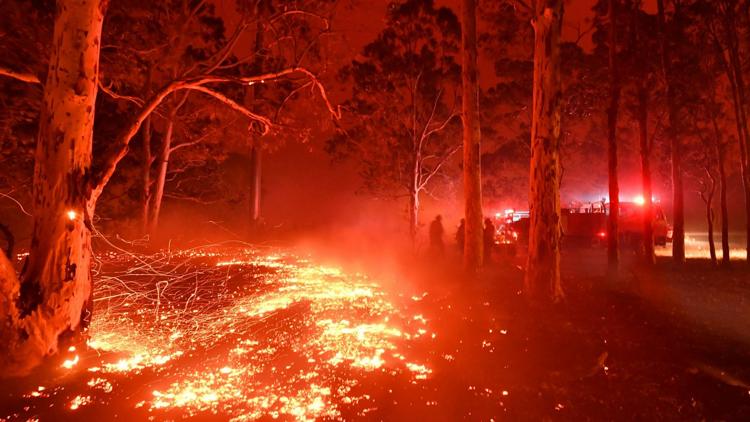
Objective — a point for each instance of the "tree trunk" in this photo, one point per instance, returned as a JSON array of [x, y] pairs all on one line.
[[645, 151], [55, 301], [710, 222], [148, 160], [472, 141], [678, 197], [724, 209], [252, 94], [742, 132], [721, 155], [542, 279], [741, 115], [678, 234], [413, 215], [161, 173], [255, 185], [612, 113], [146, 174], [10, 241], [707, 196]]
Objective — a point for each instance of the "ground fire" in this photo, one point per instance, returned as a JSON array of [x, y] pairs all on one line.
[[394, 210]]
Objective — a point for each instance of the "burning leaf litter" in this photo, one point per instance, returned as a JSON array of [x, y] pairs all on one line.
[[241, 332]]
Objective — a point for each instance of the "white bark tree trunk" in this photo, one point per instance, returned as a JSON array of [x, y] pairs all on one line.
[[54, 296], [413, 215], [161, 173]]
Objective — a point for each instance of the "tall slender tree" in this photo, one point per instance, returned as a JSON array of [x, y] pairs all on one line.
[[678, 195], [472, 140], [615, 88], [640, 48], [542, 278], [256, 152], [726, 38]]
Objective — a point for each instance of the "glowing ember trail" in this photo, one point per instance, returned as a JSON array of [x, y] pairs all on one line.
[[237, 332]]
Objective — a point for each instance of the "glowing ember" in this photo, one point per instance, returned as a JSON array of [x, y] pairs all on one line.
[[69, 363], [241, 333], [79, 401]]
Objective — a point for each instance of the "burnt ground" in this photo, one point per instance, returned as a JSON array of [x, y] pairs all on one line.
[[656, 344], [663, 343]]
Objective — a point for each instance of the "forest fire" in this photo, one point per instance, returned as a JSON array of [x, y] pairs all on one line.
[[434, 210], [239, 332]]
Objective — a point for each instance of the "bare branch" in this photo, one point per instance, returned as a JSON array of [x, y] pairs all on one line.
[[20, 206], [200, 138], [190, 199], [438, 166], [20, 76], [323, 19], [135, 100], [213, 62], [120, 146], [335, 112], [288, 97], [442, 126], [429, 120], [265, 121]]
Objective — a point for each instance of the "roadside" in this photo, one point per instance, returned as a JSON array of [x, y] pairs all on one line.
[[659, 344]]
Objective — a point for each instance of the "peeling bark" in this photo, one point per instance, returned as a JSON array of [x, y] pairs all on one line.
[[473, 244], [542, 280], [53, 301]]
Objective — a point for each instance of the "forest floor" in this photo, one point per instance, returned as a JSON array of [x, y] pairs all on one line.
[[238, 332]]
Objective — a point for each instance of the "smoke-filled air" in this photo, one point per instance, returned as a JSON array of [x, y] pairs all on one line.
[[374, 210]]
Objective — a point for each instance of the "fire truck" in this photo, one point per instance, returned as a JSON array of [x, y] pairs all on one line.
[[512, 229], [585, 224]]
